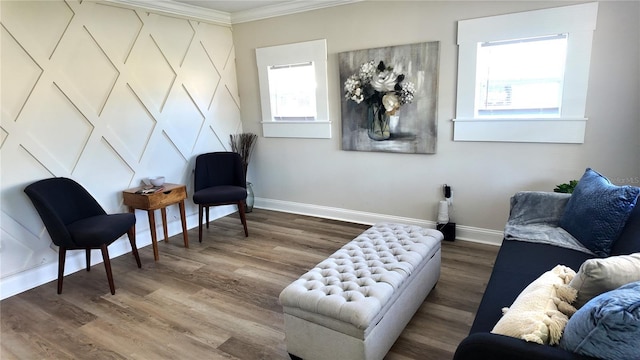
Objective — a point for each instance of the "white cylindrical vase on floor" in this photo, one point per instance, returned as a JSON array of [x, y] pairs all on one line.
[[443, 212]]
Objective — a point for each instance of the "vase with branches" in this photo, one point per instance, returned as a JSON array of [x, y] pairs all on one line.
[[243, 144]]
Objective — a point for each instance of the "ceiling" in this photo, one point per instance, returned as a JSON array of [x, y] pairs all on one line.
[[230, 6]]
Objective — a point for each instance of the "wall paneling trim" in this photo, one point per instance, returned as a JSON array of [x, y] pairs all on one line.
[[107, 96]]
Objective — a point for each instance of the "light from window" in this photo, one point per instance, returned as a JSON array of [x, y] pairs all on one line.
[[293, 92], [521, 78]]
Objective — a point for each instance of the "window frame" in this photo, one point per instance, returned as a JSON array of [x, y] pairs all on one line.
[[570, 126], [314, 51]]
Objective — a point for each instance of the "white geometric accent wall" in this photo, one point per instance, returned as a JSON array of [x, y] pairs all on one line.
[[107, 96]]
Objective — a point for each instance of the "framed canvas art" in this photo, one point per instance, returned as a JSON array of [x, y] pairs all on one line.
[[390, 98]]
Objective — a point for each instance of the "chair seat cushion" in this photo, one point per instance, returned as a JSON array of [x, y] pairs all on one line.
[[220, 194], [102, 229]]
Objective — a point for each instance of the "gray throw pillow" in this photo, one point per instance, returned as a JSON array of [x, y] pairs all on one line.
[[597, 276]]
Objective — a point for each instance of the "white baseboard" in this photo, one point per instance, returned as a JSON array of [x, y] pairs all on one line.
[[42, 274], [75, 260], [467, 233]]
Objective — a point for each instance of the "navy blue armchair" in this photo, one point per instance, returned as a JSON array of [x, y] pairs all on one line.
[[75, 221], [219, 180]]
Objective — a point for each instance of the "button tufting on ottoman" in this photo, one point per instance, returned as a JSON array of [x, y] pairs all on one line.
[[338, 308]]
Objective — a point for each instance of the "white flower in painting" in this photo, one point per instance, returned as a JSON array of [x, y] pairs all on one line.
[[391, 103], [406, 92], [372, 82], [357, 96], [353, 89], [367, 71], [384, 81]]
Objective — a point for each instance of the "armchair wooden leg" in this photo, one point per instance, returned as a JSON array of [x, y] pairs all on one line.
[[88, 253], [207, 210], [62, 255], [200, 223], [243, 217], [134, 248], [107, 266]]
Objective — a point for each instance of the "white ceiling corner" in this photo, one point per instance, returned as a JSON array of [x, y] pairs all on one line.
[[230, 12]]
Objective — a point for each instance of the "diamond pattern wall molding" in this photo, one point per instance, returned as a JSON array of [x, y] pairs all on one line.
[[105, 95]]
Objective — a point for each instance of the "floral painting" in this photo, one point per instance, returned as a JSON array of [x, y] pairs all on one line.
[[389, 98]]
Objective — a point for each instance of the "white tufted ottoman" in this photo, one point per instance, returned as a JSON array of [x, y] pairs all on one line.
[[355, 304]]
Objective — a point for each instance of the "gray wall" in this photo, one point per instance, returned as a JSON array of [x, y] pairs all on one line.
[[315, 175]]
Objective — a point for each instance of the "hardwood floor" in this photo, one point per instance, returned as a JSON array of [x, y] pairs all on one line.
[[219, 298]]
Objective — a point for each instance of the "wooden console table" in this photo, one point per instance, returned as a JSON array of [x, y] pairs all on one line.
[[171, 194]]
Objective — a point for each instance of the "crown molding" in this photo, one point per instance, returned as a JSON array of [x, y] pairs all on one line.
[[179, 9], [225, 18], [286, 8]]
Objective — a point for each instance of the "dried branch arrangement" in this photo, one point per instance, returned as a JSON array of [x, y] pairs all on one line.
[[243, 144]]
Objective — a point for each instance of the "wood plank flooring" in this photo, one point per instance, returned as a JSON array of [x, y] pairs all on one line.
[[219, 298]]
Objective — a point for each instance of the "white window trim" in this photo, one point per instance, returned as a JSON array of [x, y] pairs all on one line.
[[579, 21], [315, 51]]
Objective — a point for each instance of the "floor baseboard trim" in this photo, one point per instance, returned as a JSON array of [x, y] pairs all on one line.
[[466, 233]]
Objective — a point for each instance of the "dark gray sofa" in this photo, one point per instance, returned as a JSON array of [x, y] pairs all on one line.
[[519, 262]]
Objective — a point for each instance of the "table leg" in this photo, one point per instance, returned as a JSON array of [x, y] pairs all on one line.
[[133, 211], [163, 211], [183, 218], [154, 240], [132, 239]]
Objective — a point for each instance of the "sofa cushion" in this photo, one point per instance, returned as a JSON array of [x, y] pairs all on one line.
[[597, 211], [608, 326], [540, 312], [597, 276]]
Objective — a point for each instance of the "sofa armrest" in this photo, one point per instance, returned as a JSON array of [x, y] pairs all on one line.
[[537, 207], [482, 346]]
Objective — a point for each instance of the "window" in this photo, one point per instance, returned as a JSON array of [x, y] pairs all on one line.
[[520, 78], [523, 77], [293, 90]]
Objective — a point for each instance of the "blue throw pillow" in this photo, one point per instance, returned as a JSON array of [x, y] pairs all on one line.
[[597, 211], [608, 326]]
